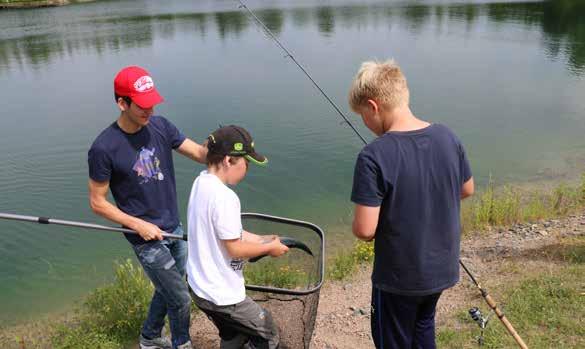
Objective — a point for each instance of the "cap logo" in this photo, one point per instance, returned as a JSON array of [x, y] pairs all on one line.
[[143, 84], [238, 146]]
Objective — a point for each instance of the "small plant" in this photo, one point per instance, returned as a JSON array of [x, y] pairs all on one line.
[[82, 338], [341, 266], [485, 207], [363, 252], [110, 315], [120, 308], [581, 190], [276, 275]]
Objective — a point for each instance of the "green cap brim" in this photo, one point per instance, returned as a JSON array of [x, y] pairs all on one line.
[[253, 160]]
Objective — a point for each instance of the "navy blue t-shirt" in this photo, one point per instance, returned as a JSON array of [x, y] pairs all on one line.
[[415, 177], [140, 170]]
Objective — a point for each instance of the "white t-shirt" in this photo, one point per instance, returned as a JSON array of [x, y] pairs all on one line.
[[213, 215]]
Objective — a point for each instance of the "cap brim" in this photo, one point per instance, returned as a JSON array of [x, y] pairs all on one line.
[[257, 159], [147, 100]]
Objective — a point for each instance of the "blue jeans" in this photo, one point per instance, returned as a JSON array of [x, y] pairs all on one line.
[[164, 263]]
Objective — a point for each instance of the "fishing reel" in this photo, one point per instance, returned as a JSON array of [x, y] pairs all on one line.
[[481, 321]]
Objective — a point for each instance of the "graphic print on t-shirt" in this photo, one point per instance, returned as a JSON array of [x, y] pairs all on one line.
[[147, 166], [237, 264]]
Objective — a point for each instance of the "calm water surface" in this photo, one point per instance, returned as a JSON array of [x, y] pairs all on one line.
[[508, 77]]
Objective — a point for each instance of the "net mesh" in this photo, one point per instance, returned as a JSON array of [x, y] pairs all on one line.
[[294, 315], [294, 272]]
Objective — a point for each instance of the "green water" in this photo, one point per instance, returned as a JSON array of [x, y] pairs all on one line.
[[508, 77]]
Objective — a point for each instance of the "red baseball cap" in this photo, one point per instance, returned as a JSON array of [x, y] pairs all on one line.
[[136, 83]]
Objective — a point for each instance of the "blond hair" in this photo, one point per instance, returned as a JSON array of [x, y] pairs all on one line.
[[382, 82]]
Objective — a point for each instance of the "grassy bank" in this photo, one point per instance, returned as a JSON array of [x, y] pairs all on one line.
[[545, 304], [509, 205], [491, 208], [111, 316]]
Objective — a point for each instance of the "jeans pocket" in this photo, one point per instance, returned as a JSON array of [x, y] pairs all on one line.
[[154, 255]]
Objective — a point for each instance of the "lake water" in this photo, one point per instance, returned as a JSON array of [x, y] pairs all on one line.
[[508, 77]]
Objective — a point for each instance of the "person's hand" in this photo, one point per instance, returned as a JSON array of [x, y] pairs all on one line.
[[148, 231], [277, 249]]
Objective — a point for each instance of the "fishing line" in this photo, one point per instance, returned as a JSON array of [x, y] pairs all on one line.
[[484, 293], [268, 32]]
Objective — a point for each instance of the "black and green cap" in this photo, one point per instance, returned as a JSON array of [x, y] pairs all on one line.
[[234, 141]]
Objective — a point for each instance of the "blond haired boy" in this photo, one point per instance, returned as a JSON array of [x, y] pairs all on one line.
[[407, 188]]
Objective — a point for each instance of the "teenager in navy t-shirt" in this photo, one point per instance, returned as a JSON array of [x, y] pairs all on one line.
[[407, 187], [133, 159], [139, 168]]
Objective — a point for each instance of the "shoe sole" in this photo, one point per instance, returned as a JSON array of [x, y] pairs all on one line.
[[142, 346]]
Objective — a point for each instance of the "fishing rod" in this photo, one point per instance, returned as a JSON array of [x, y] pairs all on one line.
[[289, 55], [484, 293], [494, 307], [46, 220]]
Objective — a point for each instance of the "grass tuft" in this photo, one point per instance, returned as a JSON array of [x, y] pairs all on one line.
[[112, 314], [275, 275]]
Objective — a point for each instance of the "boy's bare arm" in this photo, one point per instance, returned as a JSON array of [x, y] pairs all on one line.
[[467, 189], [193, 150], [241, 248], [259, 239], [365, 222]]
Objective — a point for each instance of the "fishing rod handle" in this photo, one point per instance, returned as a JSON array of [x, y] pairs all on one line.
[[507, 324]]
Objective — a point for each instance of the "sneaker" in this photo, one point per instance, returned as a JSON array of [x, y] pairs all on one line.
[[155, 343], [187, 345]]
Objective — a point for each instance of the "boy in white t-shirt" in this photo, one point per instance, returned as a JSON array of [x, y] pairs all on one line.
[[218, 245]]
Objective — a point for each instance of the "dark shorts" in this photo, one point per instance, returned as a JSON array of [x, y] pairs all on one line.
[[403, 322], [241, 325]]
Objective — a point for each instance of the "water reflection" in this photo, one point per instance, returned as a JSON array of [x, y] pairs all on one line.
[[561, 22], [325, 19], [230, 22], [568, 34], [273, 19], [416, 16]]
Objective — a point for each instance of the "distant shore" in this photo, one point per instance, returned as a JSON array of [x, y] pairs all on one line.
[[14, 4]]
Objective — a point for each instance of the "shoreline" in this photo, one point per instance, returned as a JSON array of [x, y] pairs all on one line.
[[498, 256], [39, 3], [496, 224]]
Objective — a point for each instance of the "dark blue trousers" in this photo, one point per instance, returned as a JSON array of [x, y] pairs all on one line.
[[403, 322]]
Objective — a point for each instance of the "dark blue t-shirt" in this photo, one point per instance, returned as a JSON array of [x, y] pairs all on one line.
[[140, 170], [416, 178]]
